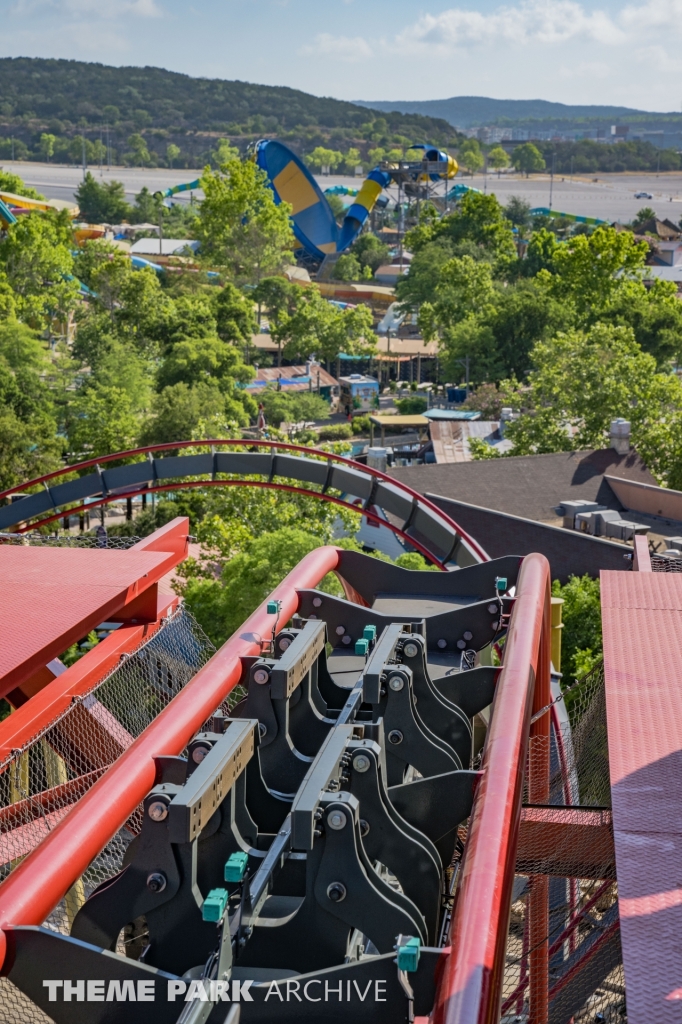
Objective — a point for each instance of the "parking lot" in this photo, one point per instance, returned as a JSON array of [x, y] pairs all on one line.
[[607, 196]]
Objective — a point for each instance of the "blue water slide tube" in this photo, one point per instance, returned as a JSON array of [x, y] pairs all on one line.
[[314, 224]]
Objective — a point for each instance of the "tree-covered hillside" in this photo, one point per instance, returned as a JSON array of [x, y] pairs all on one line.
[[67, 98]]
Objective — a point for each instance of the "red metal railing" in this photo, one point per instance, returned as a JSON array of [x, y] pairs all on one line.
[[232, 442], [470, 985], [34, 888]]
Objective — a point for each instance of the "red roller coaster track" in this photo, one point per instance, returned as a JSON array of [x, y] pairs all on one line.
[[232, 443]]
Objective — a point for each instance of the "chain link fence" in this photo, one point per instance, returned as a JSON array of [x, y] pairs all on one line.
[[565, 902], [43, 779], [67, 540]]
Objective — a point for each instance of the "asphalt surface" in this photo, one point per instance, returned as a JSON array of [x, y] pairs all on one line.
[[609, 197]]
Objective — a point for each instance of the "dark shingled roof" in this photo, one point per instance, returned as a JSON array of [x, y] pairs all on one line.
[[528, 485]]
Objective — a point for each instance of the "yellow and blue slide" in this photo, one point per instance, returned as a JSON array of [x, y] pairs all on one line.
[[314, 224]]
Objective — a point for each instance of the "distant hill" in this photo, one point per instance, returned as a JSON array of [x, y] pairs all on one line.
[[65, 97], [468, 111]]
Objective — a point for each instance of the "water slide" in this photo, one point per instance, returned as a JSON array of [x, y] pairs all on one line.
[[188, 186], [314, 223], [545, 211]]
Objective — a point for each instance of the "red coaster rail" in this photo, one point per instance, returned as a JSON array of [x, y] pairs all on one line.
[[131, 481]]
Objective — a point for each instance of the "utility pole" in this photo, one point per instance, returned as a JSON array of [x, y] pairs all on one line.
[[83, 142], [551, 180], [465, 364]]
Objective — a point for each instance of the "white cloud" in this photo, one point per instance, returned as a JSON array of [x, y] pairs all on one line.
[[345, 48], [540, 22]]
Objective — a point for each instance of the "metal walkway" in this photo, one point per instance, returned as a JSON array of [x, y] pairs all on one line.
[[642, 623]]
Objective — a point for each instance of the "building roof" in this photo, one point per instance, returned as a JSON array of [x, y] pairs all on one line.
[[390, 270], [452, 414], [529, 485], [292, 378], [663, 228], [399, 421], [666, 273], [169, 246]]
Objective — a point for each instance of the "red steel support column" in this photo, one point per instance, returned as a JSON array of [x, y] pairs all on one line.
[[33, 889], [470, 987]]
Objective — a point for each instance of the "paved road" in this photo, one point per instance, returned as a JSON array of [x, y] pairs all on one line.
[[610, 197], [60, 182]]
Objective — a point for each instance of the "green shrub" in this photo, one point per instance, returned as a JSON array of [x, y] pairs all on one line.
[[336, 432], [360, 425], [411, 406]]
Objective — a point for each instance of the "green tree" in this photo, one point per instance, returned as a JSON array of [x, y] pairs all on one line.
[[470, 156], [240, 226], [517, 211], [540, 253], [499, 334], [224, 152], [28, 445], [47, 142], [139, 155], [99, 152], [582, 380], [21, 348], [172, 152], [105, 203], [370, 251], [498, 159], [279, 298], [420, 282], [347, 268], [36, 255], [351, 160], [655, 316], [591, 269], [318, 328], [528, 159], [323, 157], [146, 209], [80, 148], [480, 223], [292, 407], [10, 182], [27, 448], [375, 156], [246, 580], [183, 413], [102, 420], [581, 637], [200, 359], [642, 216], [235, 316]]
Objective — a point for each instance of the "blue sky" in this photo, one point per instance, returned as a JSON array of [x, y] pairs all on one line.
[[621, 51]]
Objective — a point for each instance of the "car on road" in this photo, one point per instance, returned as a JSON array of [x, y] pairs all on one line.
[[643, 195]]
